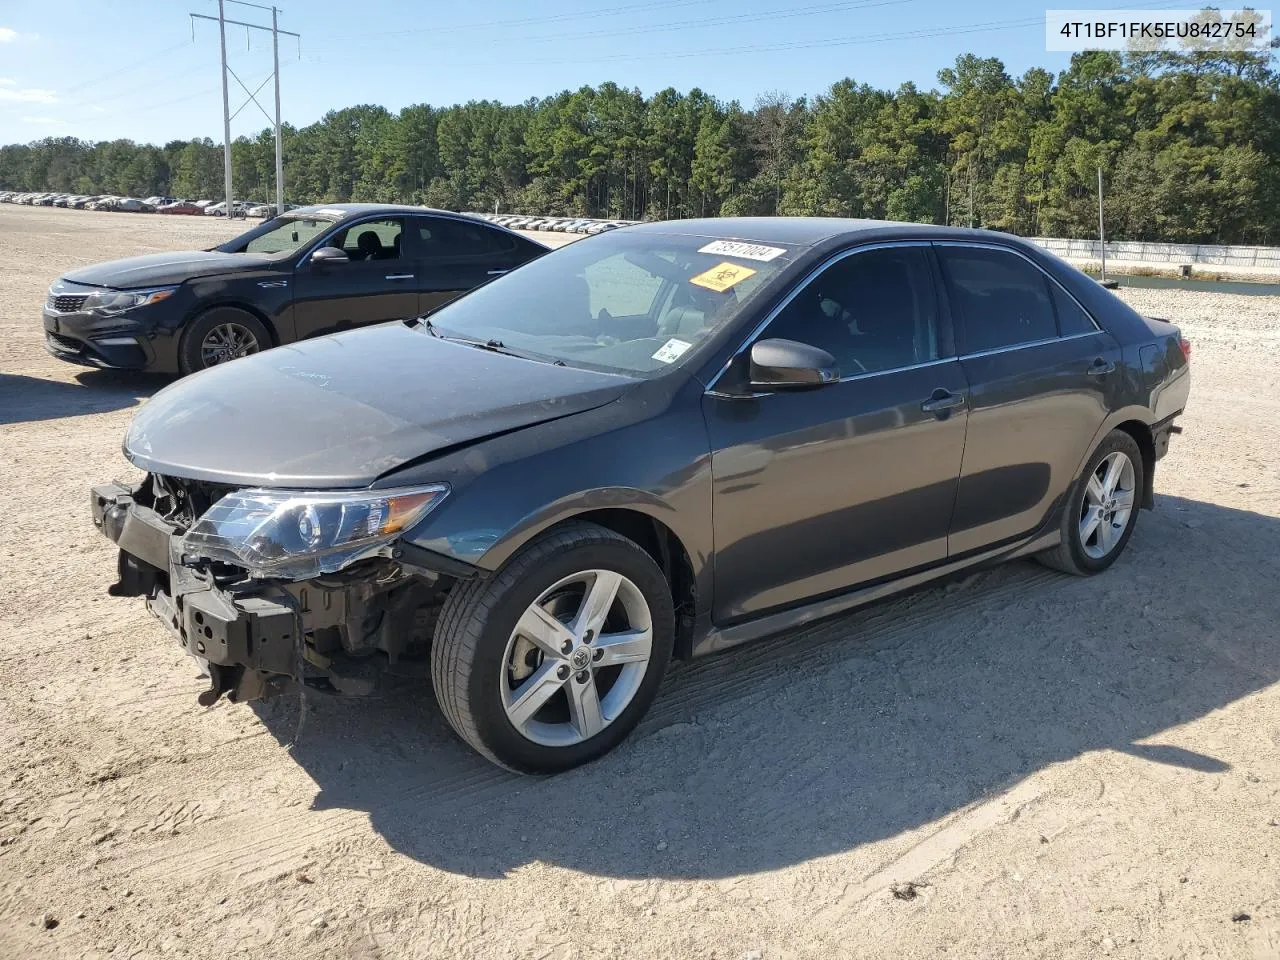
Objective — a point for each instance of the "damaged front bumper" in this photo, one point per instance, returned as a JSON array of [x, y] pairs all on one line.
[[246, 638], [257, 638]]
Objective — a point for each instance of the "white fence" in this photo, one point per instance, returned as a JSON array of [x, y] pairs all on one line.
[[1163, 252]]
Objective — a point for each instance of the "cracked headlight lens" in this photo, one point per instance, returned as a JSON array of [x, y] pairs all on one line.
[[294, 535]]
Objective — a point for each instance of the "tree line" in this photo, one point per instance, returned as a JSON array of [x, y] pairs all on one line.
[[1189, 145]]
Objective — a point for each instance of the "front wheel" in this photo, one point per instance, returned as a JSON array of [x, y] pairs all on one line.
[[554, 660], [1101, 510], [219, 336]]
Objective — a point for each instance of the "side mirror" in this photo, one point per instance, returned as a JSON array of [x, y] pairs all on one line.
[[329, 255], [788, 365]]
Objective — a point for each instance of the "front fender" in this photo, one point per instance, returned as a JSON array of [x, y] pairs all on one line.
[[646, 453], [573, 505]]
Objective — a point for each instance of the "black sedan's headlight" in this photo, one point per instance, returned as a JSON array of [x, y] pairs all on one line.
[[111, 302]]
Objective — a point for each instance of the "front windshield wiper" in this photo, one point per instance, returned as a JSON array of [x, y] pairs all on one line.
[[493, 345]]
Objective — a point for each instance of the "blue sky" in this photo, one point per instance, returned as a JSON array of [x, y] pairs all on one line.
[[102, 69]]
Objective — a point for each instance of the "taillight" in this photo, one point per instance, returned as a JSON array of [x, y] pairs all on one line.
[[1185, 344]]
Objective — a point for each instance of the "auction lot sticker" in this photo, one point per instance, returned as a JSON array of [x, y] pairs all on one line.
[[747, 251], [723, 276], [672, 350]]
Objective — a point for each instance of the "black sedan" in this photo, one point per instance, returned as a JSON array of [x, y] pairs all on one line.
[[662, 441], [313, 271]]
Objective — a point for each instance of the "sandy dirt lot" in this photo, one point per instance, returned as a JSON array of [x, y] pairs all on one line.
[[1039, 766]]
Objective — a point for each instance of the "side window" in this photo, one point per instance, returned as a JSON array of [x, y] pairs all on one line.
[[372, 240], [1071, 316], [871, 311], [445, 237], [1001, 299]]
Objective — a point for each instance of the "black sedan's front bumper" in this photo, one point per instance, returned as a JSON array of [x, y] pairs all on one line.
[[110, 343], [246, 640]]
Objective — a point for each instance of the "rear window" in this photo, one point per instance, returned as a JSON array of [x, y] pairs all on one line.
[[1071, 316], [443, 237], [1003, 300]]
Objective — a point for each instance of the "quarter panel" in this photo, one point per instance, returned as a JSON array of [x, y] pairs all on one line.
[[1034, 414]]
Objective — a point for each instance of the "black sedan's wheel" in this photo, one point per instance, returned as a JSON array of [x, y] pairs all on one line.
[[220, 335], [1102, 509], [554, 660]]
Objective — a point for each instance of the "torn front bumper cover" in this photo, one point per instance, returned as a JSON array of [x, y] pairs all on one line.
[[248, 642]]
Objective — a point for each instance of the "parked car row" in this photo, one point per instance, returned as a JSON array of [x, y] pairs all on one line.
[[553, 224], [72, 201], [78, 202]]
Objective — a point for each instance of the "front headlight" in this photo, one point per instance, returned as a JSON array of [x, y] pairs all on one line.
[[117, 301], [293, 535]]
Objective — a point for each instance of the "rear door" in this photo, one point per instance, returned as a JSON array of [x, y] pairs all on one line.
[[1042, 377], [457, 255], [376, 283]]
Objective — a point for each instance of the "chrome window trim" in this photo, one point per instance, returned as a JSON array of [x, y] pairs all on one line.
[[712, 392], [837, 257], [1097, 328], [1029, 344]]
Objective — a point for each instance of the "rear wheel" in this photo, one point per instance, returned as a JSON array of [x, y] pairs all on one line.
[[221, 335], [1102, 509], [554, 660]]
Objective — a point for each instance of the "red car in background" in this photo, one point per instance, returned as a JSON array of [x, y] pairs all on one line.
[[182, 206]]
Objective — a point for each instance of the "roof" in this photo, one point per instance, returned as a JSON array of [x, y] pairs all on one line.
[[807, 231], [359, 209]]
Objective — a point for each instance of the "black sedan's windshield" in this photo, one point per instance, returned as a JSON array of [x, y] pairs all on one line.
[[281, 236], [634, 303]]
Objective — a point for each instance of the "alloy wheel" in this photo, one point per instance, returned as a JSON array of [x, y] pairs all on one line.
[[227, 341], [1108, 503], [576, 658]]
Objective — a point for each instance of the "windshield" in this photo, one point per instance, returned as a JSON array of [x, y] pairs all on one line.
[[283, 235], [635, 303]]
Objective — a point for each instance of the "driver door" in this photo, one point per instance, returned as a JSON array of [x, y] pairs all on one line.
[[376, 282], [817, 491]]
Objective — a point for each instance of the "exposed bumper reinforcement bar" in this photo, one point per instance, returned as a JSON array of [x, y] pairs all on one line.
[[247, 642]]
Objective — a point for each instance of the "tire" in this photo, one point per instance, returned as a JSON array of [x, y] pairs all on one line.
[[1084, 556], [192, 356], [478, 668]]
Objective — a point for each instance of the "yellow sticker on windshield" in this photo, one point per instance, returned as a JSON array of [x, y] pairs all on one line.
[[722, 276]]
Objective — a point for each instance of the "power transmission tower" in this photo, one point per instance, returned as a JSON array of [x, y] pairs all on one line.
[[227, 115]]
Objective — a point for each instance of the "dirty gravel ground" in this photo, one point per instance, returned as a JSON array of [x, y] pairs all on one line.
[[1037, 765]]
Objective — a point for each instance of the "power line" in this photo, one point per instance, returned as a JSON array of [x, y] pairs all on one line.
[[725, 20], [525, 21], [129, 68], [862, 39], [120, 94]]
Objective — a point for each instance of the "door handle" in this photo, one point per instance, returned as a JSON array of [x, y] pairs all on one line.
[[942, 400], [1100, 367], [399, 276], [498, 273]]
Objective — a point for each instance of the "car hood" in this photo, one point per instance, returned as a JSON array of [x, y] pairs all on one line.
[[161, 269], [343, 410]]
